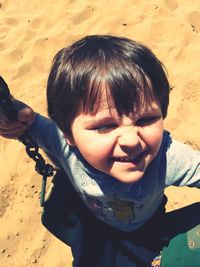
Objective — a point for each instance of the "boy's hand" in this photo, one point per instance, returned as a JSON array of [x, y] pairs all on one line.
[[14, 129]]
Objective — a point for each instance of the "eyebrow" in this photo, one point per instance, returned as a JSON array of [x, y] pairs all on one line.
[[152, 112], [109, 118], [99, 120]]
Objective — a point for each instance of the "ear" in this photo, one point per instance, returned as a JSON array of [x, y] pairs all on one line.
[[70, 140]]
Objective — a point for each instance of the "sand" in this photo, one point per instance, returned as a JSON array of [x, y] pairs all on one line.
[[31, 32]]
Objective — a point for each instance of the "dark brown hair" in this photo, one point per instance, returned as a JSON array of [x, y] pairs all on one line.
[[129, 72]]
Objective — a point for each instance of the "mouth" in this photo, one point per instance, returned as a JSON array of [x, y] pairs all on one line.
[[132, 158]]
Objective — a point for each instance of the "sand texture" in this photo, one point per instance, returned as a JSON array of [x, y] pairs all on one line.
[[31, 32]]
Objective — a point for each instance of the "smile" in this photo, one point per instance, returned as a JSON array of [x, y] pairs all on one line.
[[133, 158]]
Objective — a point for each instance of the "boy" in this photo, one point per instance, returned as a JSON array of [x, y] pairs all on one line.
[[109, 96]]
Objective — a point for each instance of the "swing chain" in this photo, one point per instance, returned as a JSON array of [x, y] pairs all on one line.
[[46, 170], [8, 111], [32, 150]]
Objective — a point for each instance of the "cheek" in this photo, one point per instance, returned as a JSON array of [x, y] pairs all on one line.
[[95, 149], [153, 136]]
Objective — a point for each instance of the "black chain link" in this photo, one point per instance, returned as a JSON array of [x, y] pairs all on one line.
[[46, 170], [8, 111], [32, 150]]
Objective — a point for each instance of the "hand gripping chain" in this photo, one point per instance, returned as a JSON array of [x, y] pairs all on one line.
[[8, 111]]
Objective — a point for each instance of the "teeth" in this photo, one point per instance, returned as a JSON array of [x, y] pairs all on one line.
[[126, 158]]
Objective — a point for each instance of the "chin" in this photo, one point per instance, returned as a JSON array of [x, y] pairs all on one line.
[[130, 180]]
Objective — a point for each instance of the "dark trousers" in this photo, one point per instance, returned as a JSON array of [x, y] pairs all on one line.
[[97, 244]]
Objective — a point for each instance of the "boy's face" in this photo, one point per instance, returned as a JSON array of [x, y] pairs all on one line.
[[122, 147]]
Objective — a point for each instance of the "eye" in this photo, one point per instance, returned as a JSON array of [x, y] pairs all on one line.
[[104, 128], [147, 120]]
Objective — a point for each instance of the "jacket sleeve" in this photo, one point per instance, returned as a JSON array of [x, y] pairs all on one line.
[[48, 137], [183, 165]]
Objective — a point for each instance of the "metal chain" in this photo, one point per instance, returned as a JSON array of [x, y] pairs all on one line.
[[46, 170], [8, 110]]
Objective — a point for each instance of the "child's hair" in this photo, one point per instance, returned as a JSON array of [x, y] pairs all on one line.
[[128, 72]]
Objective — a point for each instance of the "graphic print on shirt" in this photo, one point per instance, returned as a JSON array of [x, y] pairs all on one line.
[[95, 205], [111, 208], [123, 210], [85, 180]]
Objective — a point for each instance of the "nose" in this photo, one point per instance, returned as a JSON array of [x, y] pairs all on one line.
[[129, 137]]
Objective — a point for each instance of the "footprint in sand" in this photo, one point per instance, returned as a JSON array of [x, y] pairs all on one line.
[[83, 15], [171, 4], [191, 92], [193, 19], [5, 195]]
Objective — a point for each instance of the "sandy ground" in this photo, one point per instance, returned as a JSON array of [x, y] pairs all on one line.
[[31, 32]]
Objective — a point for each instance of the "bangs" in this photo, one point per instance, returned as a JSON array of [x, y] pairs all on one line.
[[126, 88]]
